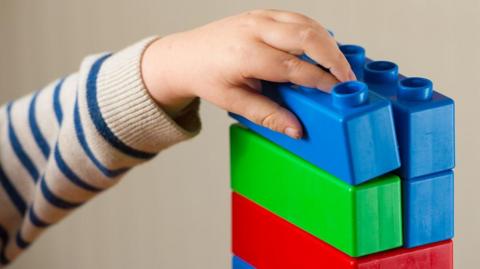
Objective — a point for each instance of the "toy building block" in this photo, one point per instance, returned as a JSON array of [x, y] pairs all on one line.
[[238, 263], [424, 121], [266, 241], [349, 133], [428, 209], [358, 220], [424, 118]]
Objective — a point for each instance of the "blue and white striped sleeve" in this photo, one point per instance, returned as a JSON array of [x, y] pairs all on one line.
[[62, 145]]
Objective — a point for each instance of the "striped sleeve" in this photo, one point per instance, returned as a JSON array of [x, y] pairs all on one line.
[[63, 145]]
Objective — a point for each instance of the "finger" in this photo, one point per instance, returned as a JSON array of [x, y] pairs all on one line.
[[295, 18], [261, 110], [315, 41], [285, 16], [271, 64]]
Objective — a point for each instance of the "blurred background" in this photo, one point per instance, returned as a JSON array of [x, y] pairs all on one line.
[[161, 216]]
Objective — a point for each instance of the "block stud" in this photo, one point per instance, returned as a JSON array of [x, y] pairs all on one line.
[[355, 56], [415, 89], [380, 72], [349, 94]]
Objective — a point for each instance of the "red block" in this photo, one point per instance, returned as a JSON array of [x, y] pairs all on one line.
[[266, 241]]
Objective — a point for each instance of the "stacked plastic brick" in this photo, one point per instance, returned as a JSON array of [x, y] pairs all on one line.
[[370, 184]]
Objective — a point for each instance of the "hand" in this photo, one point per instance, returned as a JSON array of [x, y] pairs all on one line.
[[224, 61]]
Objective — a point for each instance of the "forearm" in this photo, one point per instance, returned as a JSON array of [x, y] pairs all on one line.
[[65, 144]]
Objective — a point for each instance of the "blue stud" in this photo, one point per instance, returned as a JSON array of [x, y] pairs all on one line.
[[349, 94], [415, 89]]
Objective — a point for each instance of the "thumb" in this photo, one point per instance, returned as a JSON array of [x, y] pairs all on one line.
[[261, 110]]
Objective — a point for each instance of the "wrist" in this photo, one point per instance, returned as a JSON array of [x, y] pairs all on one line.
[[156, 72]]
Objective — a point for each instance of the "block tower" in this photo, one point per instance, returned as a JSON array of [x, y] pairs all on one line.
[[370, 185]]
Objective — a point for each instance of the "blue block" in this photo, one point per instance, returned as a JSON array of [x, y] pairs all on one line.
[[238, 263], [348, 133], [428, 209], [424, 118]]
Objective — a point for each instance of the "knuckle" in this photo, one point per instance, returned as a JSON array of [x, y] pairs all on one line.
[[308, 34], [293, 65], [302, 17], [274, 10], [270, 120], [255, 13], [244, 19], [322, 30], [252, 21], [251, 115], [337, 61], [322, 77]]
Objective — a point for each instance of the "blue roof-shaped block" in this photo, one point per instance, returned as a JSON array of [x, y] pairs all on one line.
[[348, 133], [424, 118]]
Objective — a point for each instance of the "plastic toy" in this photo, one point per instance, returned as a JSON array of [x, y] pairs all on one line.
[[326, 200], [348, 133], [425, 129], [266, 241], [358, 220], [428, 209], [424, 118]]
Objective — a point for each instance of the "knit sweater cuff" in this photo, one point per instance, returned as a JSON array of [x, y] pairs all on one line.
[[131, 113]]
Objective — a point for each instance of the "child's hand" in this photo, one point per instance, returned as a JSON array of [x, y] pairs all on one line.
[[222, 62]]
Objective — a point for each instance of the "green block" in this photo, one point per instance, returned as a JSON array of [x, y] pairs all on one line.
[[357, 220]]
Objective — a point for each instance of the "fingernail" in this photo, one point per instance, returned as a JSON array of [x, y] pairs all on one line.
[[352, 75], [293, 133]]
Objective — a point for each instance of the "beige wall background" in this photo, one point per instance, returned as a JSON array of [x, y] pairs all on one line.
[[174, 212]]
